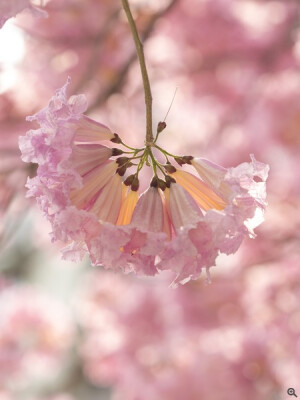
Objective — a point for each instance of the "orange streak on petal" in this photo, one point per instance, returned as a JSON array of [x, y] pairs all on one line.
[[127, 208], [124, 192], [202, 194]]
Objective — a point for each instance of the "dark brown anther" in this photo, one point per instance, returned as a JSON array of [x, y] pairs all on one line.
[[128, 181], [154, 182], [170, 168], [169, 180], [116, 139], [161, 126], [116, 152], [135, 184], [187, 159], [122, 160], [162, 184]]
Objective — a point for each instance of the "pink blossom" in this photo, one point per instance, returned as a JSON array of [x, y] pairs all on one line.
[[180, 223], [35, 336], [154, 343]]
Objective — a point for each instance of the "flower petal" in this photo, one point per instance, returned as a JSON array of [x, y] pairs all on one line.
[[93, 182], [211, 173], [88, 130], [127, 208], [148, 213], [85, 157], [108, 203], [203, 195], [182, 207]]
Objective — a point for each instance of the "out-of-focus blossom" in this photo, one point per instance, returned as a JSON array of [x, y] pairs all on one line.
[[36, 334], [10, 8], [61, 396], [9, 396], [179, 223], [272, 305], [153, 343], [13, 177]]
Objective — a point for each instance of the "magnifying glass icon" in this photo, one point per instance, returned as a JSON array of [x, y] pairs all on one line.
[[291, 392]]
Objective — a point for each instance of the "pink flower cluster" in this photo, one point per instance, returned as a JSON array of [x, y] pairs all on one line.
[[36, 334], [180, 223], [216, 342]]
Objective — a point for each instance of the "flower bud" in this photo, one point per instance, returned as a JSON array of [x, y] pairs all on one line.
[[154, 182], [169, 168], [162, 184], [116, 139], [161, 126], [179, 160], [116, 152], [169, 180], [187, 159], [183, 160], [135, 184], [121, 170], [122, 160], [128, 181]]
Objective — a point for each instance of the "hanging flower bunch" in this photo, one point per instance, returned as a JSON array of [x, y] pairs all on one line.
[[88, 183]]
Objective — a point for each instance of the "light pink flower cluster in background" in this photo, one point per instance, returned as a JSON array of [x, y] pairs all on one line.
[[36, 333], [227, 340], [180, 223]]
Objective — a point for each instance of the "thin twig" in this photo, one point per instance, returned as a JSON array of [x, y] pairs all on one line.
[[118, 83]]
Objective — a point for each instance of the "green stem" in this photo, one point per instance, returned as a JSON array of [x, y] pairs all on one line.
[[164, 151], [146, 82], [131, 148], [156, 164]]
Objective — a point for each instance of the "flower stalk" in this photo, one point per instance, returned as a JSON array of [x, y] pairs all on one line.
[[145, 77]]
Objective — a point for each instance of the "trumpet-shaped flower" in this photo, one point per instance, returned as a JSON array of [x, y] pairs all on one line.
[[180, 223]]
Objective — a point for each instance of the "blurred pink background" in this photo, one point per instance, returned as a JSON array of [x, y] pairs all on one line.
[[73, 332]]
